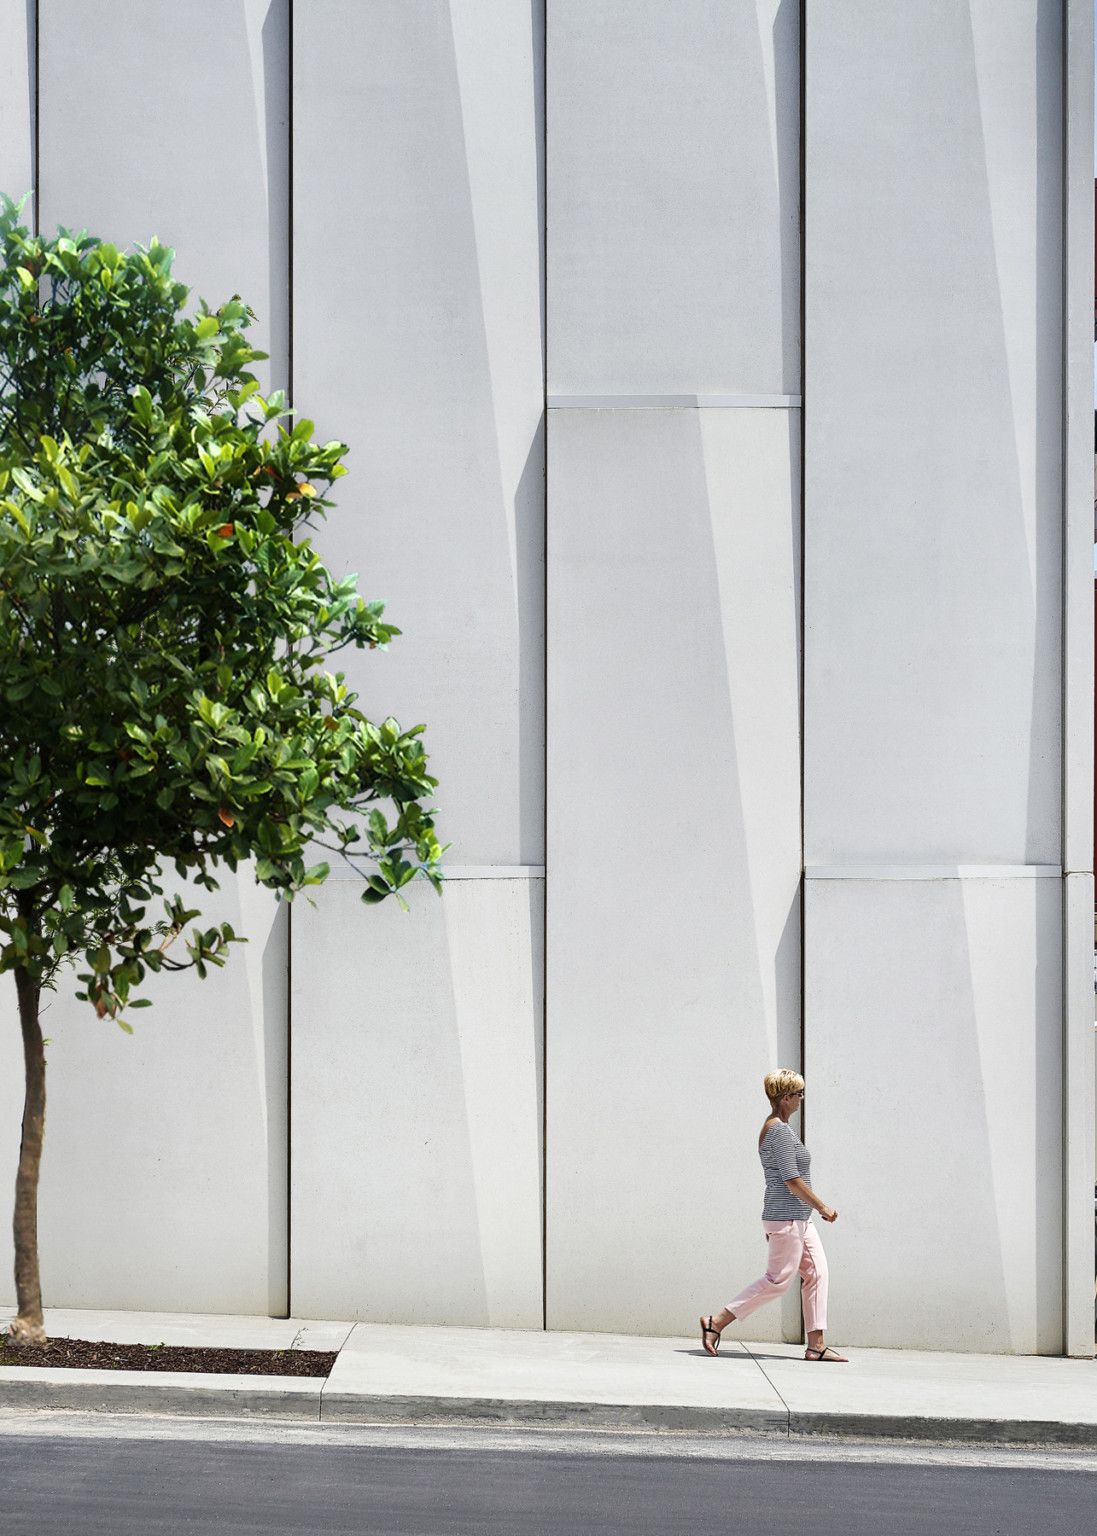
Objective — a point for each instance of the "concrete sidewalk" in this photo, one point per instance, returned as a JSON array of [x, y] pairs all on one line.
[[389, 1373]]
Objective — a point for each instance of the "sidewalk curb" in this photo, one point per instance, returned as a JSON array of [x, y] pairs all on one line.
[[360, 1408], [309, 1400], [353, 1408], [174, 1393], [883, 1426]]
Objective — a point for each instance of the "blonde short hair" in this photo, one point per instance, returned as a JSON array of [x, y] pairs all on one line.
[[782, 1082]]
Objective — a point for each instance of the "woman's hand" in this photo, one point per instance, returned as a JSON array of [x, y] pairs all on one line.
[[803, 1191]]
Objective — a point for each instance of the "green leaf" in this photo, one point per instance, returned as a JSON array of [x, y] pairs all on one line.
[[142, 405]]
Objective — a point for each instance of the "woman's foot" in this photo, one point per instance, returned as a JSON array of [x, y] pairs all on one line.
[[710, 1336], [824, 1352]]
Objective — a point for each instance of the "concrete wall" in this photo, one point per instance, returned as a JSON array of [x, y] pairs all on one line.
[[673, 763], [933, 435], [164, 1178], [842, 395], [674, 840], [933, 680], [17, 93], [416, 1129], [1079, 1119], [418, 321], [674, 197], [934, 1114], [146, 128]]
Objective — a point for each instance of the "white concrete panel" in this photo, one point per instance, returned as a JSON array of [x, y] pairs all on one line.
[[163, 1180], [933, 433], [674, 853], [1078, 531], [17, 83], [1079, 1119], [173, 121], [934, 1109], [417, 340], [674, 196], [416, 1120]]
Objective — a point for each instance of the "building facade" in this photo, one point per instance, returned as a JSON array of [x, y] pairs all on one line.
[[716, 378]]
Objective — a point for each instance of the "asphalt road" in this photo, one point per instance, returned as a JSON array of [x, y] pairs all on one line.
[[109, 1485]]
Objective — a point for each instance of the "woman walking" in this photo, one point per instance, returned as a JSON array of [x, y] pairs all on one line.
[[794, 1244]]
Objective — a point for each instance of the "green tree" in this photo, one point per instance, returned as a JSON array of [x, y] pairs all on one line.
[[164, 629]]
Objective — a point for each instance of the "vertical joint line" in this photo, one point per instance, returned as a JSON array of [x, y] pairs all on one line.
[[1064, 678], [289, 1108], [288, 235], [801, 658], [1073, 69], [289, 202], [36, 86], [544, 716], [803, 542]]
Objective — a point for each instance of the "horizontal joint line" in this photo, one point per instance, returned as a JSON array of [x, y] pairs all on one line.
[[494, 872], [674, 402], [932, 872], [452, 871], [344, 872]]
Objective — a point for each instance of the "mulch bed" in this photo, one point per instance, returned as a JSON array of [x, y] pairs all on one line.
[[85, 1354]]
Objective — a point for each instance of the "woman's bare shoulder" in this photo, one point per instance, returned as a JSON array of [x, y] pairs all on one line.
[[770, 1123]]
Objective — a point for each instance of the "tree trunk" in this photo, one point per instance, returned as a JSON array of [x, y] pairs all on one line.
[[27, 1327]]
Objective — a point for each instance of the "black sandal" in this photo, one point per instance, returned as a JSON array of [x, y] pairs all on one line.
[[708, 1328], [821, 1354]]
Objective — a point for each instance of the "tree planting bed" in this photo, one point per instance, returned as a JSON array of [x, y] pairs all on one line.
[[88, 1354]]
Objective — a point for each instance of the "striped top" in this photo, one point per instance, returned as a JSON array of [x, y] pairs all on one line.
[[784, 1156]]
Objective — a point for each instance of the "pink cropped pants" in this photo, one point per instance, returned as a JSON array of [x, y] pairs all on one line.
[[793, 1245]]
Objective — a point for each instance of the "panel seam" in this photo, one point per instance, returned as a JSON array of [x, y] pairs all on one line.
[[545, 664], [802, 648], [289, 905], [772, 1384], [35, 149], [289, 201], [1076, 64], [660, 401]]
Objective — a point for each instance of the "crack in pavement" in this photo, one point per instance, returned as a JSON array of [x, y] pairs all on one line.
[[788, 1411]]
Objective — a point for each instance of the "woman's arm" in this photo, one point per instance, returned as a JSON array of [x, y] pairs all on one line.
[[805, 1192]]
